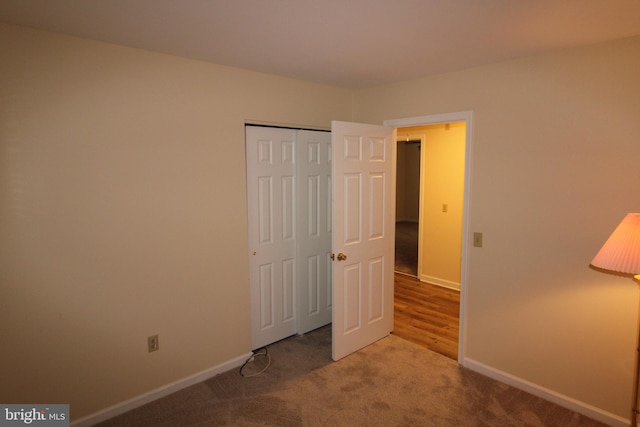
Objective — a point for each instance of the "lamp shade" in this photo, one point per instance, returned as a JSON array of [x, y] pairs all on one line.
[[621, 252]]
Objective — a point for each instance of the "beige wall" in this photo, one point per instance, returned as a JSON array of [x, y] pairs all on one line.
[[443, 157], [554, 169], [123, 213]]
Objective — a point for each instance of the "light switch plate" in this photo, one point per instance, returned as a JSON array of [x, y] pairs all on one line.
[[477, 239]]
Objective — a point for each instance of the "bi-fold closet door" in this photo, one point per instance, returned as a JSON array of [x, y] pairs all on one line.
[[289, 212]]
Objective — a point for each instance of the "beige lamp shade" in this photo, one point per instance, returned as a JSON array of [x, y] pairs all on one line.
[[621, 252]]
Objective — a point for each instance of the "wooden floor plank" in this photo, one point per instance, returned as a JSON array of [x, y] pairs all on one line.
[[427, 315]]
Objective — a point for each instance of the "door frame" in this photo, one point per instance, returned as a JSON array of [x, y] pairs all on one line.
[[467, 117]]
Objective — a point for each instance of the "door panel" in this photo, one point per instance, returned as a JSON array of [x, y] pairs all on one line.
[[271, 192], [363, 230], [314, 229]]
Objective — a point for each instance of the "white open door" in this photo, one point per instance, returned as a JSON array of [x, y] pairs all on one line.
[[363, 234]]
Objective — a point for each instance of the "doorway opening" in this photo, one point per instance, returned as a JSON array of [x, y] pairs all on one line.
[[433, 174], [430, 177]]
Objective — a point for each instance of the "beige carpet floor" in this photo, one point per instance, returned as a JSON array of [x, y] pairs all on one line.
[[389, 383]]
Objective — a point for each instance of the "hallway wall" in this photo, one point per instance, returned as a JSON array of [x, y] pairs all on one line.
[[442, 187]]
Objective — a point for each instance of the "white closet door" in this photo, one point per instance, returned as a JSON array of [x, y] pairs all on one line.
[[314, 229], [271, 192]]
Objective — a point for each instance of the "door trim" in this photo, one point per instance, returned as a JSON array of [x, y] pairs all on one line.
[[467, 117]]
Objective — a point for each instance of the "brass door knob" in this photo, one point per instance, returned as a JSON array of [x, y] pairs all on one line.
[[342, 257]]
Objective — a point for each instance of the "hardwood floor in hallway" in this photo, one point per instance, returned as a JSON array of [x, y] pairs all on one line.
[[427, 315]]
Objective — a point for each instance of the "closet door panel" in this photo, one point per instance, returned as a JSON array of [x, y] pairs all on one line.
[[272, 214], [314, 225]]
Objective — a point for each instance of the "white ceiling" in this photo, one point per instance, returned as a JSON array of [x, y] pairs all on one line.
[[347, 43]]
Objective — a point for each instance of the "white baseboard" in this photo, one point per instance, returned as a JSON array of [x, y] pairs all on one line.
[[440, 282], [165, 390], [546, 394]]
